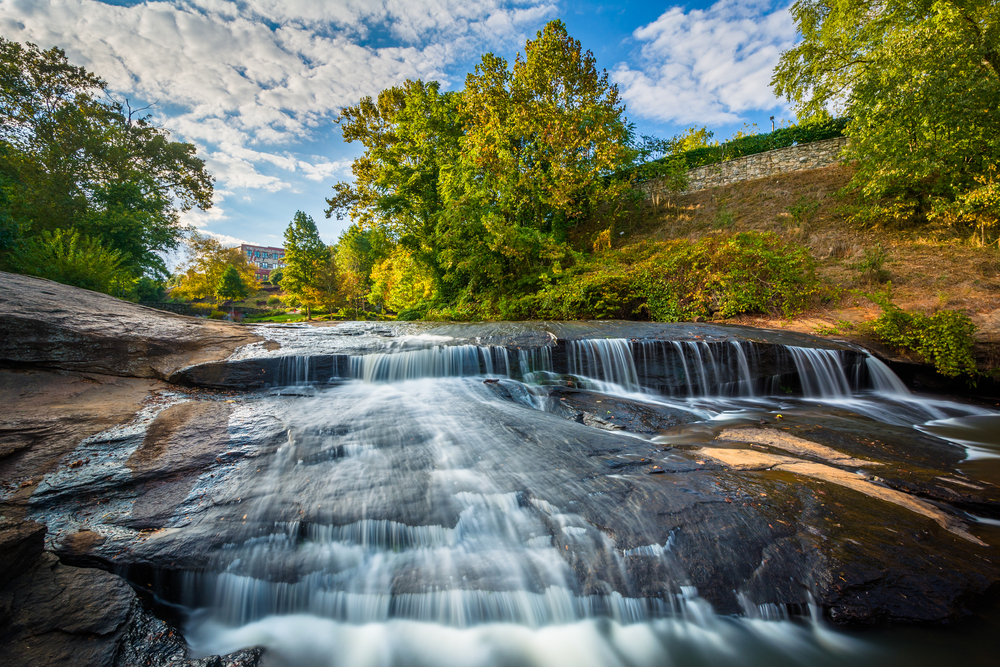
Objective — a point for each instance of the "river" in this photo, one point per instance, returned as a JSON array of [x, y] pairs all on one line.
[[437, 499]]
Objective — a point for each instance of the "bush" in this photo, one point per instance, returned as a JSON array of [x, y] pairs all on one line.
[[68, 257], [202, 308], [944, 339], [671, 281], [217, 315], [273, 301], [147, 289], [872, 265]]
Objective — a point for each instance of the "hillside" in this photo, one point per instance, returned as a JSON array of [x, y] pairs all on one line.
[[928, 269]]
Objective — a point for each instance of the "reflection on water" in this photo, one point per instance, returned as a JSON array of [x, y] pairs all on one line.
[[419, 516], [979, 434]]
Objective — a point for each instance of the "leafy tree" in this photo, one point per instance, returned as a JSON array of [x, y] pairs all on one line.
[[410, 133], [920, 81], [305, 254], [207, 261], [481, 186], [399, 282], [275, 276], [231, 286], [84, 161], [541, 137]]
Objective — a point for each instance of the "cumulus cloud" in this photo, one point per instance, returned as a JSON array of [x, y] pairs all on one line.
[[235, 76], [707, 66]]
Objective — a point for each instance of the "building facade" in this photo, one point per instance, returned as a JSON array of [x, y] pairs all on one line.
[[264, 259]]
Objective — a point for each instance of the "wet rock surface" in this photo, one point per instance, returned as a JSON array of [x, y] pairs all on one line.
[[49, 325], [145, 483]]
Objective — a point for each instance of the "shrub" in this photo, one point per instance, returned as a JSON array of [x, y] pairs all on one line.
[[202, 308], [217, 315], [68, 257], [670, 281], [944, 339], [273, 301], [872, 265]]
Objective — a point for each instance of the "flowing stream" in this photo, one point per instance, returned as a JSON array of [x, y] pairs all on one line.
[[419, 514]]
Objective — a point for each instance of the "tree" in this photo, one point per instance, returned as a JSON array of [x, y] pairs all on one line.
[[207, 261], [480, 187], [231, 286], [920, 81], [410, 134], [84, 161], [541, 139], [305, 254]]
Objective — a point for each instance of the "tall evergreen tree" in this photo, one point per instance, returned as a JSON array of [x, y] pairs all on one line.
[[305, 255]]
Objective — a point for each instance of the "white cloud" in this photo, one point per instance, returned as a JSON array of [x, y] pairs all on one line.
[[226, 240], [707, 66], [231, 75]]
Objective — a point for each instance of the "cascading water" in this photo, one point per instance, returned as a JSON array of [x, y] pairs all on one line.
[[418, 515]]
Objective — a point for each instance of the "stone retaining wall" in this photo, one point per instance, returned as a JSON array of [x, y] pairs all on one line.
[[186, 309], [792, 158]]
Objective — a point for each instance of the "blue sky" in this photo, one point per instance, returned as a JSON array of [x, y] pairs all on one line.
[[256, 84]]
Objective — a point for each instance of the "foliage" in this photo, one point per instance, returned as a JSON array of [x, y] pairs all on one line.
[[68, 257], [81, 160], [920, 82], [399, 281], [147, 289], [231, 286], [306, 259], [206, 261], [944, 339], [693, 148], [481, 185], [275, 277], [273, 301], [670, 281], [872, 265]]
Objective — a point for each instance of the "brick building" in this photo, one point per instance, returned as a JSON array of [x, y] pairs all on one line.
[[264, 258]]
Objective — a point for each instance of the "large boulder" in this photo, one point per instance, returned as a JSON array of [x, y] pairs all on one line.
[[47, 324]]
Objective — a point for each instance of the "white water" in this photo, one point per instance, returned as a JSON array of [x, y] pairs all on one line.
[[416, 533]]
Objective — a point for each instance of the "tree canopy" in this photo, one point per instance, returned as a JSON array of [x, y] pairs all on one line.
[[920, 82], [72, 157], [231, 286], [207, 261], [479, 187], [307, 273]]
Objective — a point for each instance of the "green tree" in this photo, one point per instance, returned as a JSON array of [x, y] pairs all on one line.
[[206, 261], [920, 81], [231, 286], [410, 134], [305, 254], [541, 138], [82, 160]]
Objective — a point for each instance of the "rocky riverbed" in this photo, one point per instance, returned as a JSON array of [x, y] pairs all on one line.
[[177, 489]]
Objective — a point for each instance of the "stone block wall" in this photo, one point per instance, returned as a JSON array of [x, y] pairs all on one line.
[[792, 158]]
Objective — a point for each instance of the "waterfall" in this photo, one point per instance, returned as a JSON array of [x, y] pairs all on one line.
[[294, 371], [606, 360], [883, 379], [432, 362], [820, 372]]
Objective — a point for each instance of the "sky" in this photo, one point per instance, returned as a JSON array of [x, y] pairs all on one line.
[[257, 85]]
